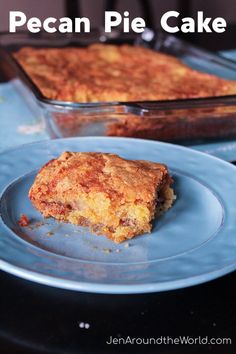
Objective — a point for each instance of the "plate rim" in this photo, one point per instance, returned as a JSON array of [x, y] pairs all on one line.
[[104, 288]]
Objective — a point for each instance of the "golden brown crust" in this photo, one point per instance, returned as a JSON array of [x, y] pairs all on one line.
[[116, 73], [111, 195]]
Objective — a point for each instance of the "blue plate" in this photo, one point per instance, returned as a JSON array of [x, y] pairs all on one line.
[[192, 243]]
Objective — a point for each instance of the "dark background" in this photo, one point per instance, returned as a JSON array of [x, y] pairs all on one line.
[[39, 319]]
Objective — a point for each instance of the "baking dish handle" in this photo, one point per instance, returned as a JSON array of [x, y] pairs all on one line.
[[208, 103]]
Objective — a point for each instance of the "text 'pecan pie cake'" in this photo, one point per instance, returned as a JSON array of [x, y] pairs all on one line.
[[112, 196]]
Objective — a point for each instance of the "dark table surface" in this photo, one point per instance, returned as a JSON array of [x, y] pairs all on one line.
[[40, 319]]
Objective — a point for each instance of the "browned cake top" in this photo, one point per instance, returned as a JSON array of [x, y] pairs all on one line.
[[118, 178], [116, 73]]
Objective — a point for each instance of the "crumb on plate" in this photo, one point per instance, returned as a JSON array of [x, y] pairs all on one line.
[[23, 221], [107, 250]]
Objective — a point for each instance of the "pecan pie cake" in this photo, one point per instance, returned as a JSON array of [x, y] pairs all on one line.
[[112, 196], [102, 73]]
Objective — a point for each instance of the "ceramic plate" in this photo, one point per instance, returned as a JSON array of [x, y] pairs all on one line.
[[192, 243]]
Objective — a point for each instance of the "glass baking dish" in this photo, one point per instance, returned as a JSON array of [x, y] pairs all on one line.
[[175, 120]]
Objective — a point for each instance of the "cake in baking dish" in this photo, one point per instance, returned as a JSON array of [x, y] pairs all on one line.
[[112, 196], [102, 73]]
